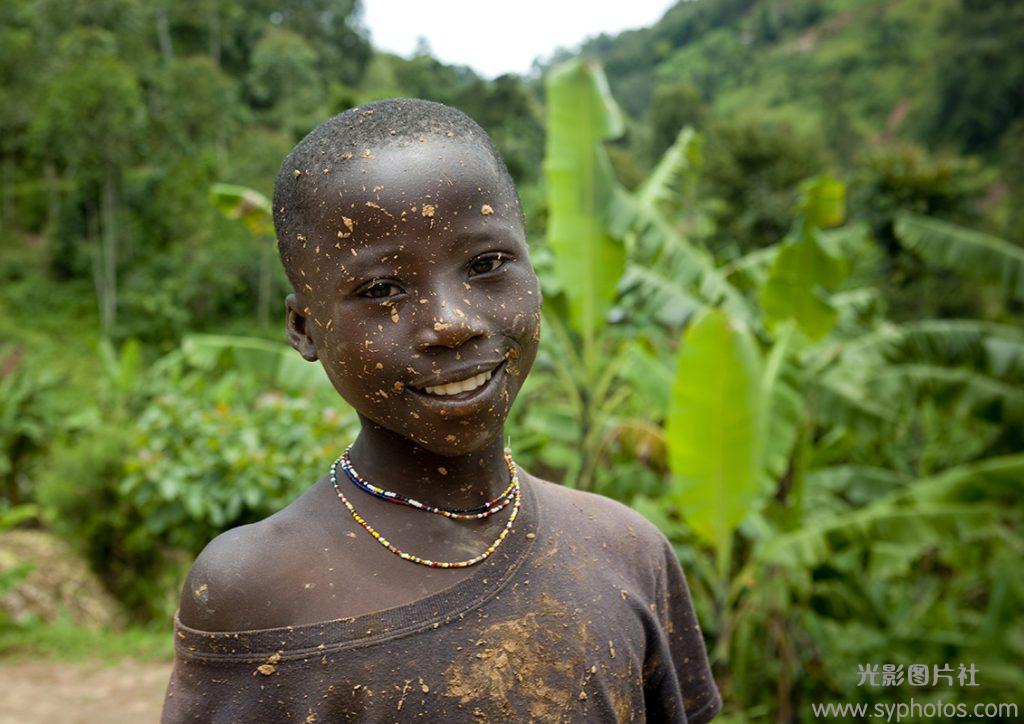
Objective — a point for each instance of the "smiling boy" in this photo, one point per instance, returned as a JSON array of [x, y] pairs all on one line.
[[485, 593]]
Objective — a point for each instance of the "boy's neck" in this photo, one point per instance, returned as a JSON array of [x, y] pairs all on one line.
[[394, 463]]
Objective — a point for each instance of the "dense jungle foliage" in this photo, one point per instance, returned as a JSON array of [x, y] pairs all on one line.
[[782, 253]]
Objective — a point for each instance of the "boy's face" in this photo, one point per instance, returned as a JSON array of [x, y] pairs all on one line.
[[417, 293]]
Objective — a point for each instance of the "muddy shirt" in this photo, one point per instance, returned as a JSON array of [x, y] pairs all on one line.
[[582, 615]]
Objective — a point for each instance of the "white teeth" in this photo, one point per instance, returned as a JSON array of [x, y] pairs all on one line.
[[454, 388]]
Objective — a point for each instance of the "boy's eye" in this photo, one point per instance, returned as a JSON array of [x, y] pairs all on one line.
[[381, 290], [487, 263]]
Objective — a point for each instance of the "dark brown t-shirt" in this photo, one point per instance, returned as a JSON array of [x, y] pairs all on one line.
[[582, 615]]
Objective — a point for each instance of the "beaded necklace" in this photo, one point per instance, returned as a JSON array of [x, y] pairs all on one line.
[[516, 499], [482, 511]]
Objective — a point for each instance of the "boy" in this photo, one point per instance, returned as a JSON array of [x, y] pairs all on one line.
[[402, 235]]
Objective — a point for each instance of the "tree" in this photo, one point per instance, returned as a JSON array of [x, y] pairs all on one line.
[[194, 105], [673, 107], [284, 80], [980, 76], [92, 122], [16, 60], [754, 168]]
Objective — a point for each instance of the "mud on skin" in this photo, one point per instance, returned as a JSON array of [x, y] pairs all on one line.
[[416, 274]]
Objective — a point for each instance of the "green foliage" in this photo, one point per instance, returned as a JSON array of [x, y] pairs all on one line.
[[804, 272], [77, 486], [975, 254], [223, 432], [93, 115], [65, 641], [580, 188], [673, 108], [30, 416], [663, 256], [212, 455], [715, 429], [848, 439], [754, 169], [273, 364], [979, 36], [901, 178], [220, 444], [78, 491], [11, 577], [284, 79], [197, 105]]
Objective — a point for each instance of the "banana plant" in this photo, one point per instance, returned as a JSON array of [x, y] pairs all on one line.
[[733, 418], [789, 396], [607, 242]]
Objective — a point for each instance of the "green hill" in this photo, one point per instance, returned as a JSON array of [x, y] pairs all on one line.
[[947, 71]]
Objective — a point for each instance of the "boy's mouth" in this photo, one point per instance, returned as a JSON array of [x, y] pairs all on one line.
[[462, 388]]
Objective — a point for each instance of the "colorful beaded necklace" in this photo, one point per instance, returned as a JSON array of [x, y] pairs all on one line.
[[516, 499], [482, 511]]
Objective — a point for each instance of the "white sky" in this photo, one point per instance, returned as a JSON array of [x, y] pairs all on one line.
[[495, 37]]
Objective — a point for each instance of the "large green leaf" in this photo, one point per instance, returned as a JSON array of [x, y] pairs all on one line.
[[988, 480], [659, 248], [658, 294], [246, 205], [662, 257], [969, 252], [781, 389], [716, 427], [824, 202], [837, 488], [804, 272], [581, 116], [798, 284]]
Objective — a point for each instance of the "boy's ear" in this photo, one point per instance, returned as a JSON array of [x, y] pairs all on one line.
[[295, 324]]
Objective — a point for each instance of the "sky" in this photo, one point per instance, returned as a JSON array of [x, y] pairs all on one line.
[[499, 36]]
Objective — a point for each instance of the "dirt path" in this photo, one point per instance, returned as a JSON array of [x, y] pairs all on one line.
[[53, 691]]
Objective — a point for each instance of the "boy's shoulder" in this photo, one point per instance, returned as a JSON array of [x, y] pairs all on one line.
[[600, 542], [246, 577], [596, 517], [236, 575]]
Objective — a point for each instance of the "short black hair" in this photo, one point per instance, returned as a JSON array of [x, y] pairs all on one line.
[[389, 122]]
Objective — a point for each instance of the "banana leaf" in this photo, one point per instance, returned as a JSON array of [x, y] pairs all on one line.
[[971, 253], [716, 429], [582, 115]]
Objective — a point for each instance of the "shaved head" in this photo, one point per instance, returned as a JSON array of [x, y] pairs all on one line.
[[357, 133]]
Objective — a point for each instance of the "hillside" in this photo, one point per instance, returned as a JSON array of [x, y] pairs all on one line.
[[929, 70]]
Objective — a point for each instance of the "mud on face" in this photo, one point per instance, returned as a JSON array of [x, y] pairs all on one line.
[[416, 291]]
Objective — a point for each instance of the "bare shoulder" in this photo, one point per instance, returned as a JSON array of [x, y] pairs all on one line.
[[228, 581], [234, 583]]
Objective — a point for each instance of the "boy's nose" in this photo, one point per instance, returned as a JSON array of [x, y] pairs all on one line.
[[446, 323]]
